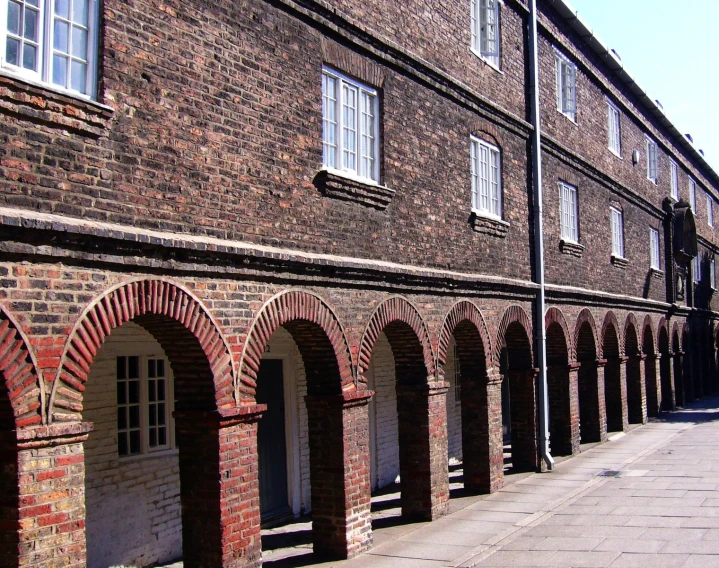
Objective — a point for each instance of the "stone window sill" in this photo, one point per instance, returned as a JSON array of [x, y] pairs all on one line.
[[658, 274], [338, 185], [486, 225], [571, 248], [52, 105], [619, 261]]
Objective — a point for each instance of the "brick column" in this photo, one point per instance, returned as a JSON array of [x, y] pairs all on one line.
[[50, 519], [615, 385], [636, 390], [601, 393], [219, 487], [423, 464], [340, 473], [482, 450], [562, 381], [523, 411], [652, 374]]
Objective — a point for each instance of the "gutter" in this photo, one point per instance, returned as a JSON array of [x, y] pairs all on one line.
[[541, 332]]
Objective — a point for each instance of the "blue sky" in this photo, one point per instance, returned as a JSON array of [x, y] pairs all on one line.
[[671, 48]]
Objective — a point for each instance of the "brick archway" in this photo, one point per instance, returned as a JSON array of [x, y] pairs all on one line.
[[635, 379], [615, 381], [397, 310], [562, 385], [421, 411], [514, 315], [585, 320], [630, 327], [179, 321], [590, 380], [653, 367], [555, 316], [290, 308], [23, 390], [614, 348], [463, 311]]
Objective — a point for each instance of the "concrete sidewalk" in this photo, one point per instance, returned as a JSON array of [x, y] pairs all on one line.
[[647, 498]]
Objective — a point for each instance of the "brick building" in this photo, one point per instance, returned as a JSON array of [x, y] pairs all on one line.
[[260, 258]]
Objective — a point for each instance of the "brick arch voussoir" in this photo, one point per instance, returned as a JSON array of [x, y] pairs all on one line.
[[18, 367], [648, 327], [513, 314], [396, 309], [610, 319], [461, 311], [631, 326], [555, 315], [585, 316], [121, 304], [283, 308]]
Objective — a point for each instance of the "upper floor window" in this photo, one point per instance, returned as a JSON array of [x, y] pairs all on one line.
[[693, 195], [569, 229], [652, 161], [710, 210], [697, 269], [617, 223], [486, 178], [674, 180], [53, 41], [615, 136], [654, 249], [712, 274], [144, 405], [485, 29], [566, 73], [350, 126]]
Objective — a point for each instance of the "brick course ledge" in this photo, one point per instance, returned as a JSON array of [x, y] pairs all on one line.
[[43, 103], [489, 225], [571, 248], [338, 186], [620, 261]]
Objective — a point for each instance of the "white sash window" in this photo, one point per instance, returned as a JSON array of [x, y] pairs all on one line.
[[486, 178], [485, 29], [566, 78], [617, 223], [654, 249], [652, 161], [569, 229], [615, 136]]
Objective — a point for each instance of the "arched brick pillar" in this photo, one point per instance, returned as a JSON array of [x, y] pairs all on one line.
[[562, 385], [667, 367], [652, 370], [337, 414], [481, 397], [214, 436], [590, 380], [421, 406], [636, 388], [21, 410], [515, 361], [615, 381]]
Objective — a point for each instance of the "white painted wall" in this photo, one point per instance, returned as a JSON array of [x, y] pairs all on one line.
[[133, 503], [384, 435], [454, 409]]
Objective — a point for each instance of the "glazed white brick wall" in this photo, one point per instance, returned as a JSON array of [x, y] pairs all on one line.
[[454, 409], [383, 414], [133, 504]]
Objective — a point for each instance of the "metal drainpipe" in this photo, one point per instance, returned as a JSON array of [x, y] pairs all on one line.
[[538, 236]]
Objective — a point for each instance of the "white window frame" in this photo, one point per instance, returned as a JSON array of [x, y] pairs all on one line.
[[617, 229], [568, 213], [712, 274], [566, 82], [615, 129], [145, 405], [486, 30], [697, 269], [652, 161], [486, 174], [43, 73], [364, 127], [674, 176], [693, 194], [710, 211], [654, 249]]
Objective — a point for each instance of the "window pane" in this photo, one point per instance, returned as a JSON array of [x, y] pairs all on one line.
[[13, 18], [134, 394], [161, 387], [161, 370], [12, 51], [61, 36], [78, 76], [135, 442], [134, 367], [151, 391], [121, 418], [152, 418], [29, 57], [62, 8], [59, 70], [79, 43], [122, 444], [151, 366], [134, 416], [79, 12], [121, 393], [31, 21], [153, 438], [161, 436], [121, 368], [161, 414]]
